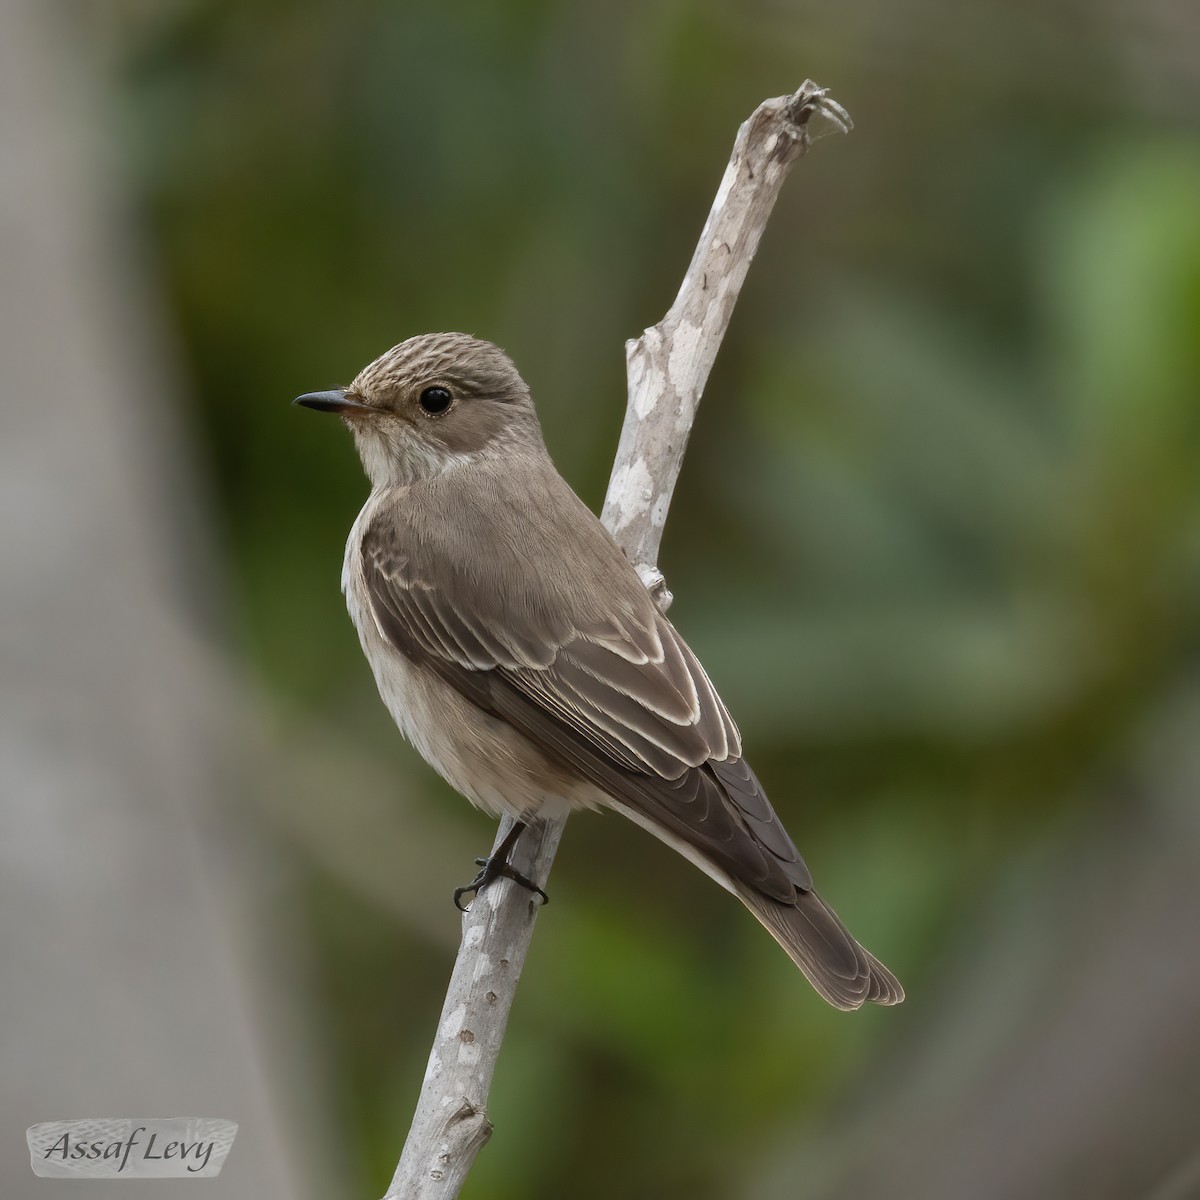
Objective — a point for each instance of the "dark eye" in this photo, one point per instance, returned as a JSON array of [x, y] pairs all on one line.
[[435, 400]]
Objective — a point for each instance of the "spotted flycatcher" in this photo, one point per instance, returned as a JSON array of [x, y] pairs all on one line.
[[521, 654]]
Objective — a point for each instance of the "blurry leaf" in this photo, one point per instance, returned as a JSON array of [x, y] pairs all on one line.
[[1122, 249]]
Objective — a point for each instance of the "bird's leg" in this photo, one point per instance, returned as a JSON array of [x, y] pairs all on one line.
[[495, 865]]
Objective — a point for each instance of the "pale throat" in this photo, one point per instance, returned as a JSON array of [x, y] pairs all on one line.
[[402, 457]]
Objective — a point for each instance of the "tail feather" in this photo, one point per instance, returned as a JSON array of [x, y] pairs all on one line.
[[844, 974], [818, 943]]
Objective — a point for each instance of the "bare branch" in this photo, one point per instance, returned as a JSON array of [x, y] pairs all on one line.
[[668, 365], [450, 1124], [667, 369]]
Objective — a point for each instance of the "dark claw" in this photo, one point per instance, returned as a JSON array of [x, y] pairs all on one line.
[[525, 882], [460, 892], [488, 874], [493, 867]]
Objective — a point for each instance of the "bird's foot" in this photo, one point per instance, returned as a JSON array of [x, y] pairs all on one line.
[[491, 869]]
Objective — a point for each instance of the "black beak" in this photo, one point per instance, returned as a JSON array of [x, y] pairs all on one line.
[[334, 402]]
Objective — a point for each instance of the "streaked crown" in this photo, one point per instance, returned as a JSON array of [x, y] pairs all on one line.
[[467, 366]]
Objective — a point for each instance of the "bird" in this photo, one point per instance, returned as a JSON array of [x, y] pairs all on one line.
[[520, 652]]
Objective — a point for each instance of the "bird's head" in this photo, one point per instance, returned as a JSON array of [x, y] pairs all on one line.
[[430, 403]]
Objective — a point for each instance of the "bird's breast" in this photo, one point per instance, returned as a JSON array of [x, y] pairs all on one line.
[[484, 758]]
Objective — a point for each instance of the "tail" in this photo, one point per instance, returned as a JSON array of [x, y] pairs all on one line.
[[736, 836], [819, 944]]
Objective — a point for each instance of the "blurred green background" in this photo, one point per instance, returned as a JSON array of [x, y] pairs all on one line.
[[937, 539]]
